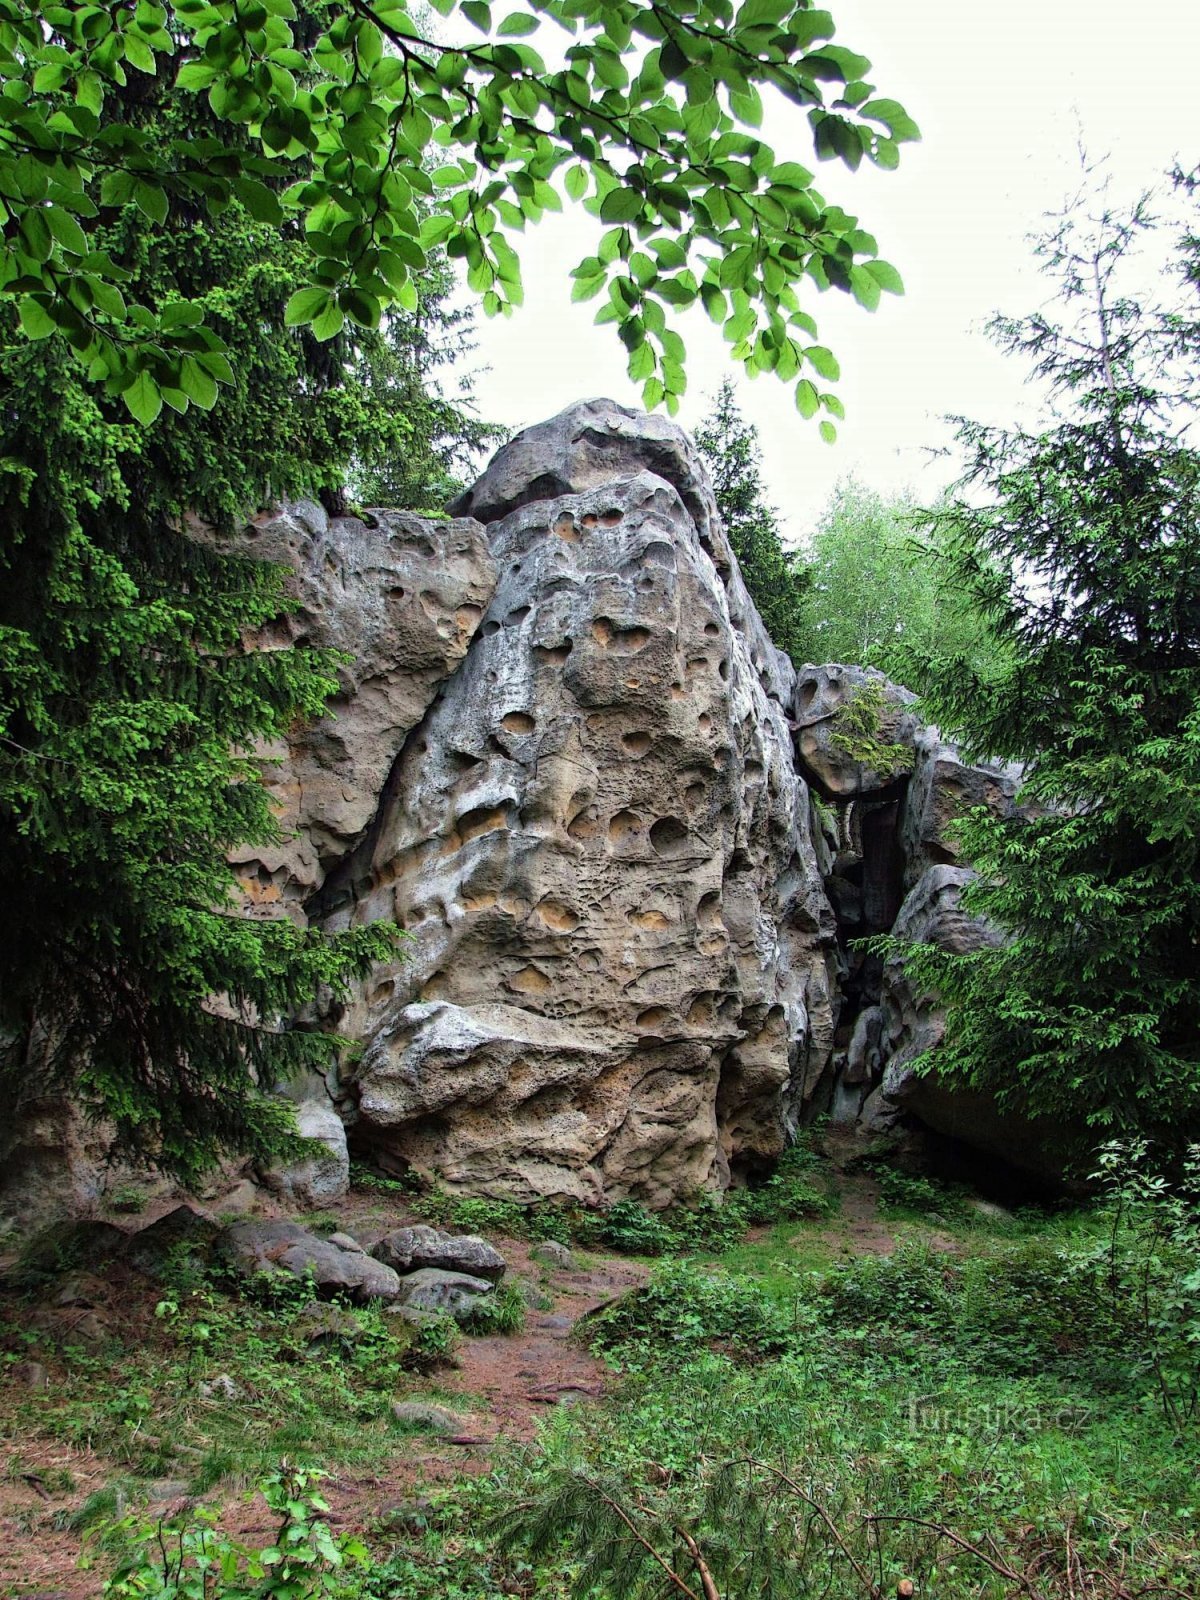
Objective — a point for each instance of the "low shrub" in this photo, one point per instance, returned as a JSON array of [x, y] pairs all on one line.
[[180, 1559], [685, 1306], [502, 1311]]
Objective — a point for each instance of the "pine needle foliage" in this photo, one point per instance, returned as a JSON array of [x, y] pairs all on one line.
[[776, 577], [1079, 546], [131, 707]]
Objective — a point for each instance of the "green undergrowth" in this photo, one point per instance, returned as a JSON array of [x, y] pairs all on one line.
[[1018, 1414], [215, 1387], [799, 1188], [1019, 1418]]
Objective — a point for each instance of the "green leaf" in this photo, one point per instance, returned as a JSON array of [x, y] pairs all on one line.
[[754, 12], [576, 182], [360, 307], [36, 235], [199, 385], [328, 323], [262, 203], [143, 399], [894, 118], [36, 321], [828, 432], [116, 188], [151, 200], [823, 362], [306, 304], [807, 403], [180, 314], [139, 54], [621, 205], [67, 231], [195, 75], [885, 276], [517, 24], [864, 288]]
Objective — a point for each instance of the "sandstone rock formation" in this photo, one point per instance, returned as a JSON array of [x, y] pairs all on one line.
[[569, 761], [823, 697], [944, 787], [619, 980], [632, 848], [400, 597]]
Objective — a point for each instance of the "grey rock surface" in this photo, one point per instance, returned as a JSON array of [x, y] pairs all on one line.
[[823, 696], [180, 1235], [322, 1177], [401, 596], [428, 1417], [553, 1254], [271, 1246], [432, 1289], [409, 1249], [621, 979], [943, 788]]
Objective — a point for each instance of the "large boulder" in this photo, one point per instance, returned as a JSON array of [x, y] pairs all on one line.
[[832, 750], [621, 972], [944, 788], [270, 1247], [324, 1176], [181, 1237], [410, 1249], [913, 1023]]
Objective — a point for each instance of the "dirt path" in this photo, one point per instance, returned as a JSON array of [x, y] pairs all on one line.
[[501, 1386]]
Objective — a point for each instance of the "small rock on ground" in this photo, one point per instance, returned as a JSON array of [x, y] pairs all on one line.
[[432, 1290], [553, 1254], [426, 1416]]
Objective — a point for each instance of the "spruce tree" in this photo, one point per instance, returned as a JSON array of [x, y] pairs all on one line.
[[776, 577], [1080, 547], [126, 693]]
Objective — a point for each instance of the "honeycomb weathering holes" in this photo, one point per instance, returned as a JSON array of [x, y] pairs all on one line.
[[652, 1017], [708, 912], [483, 819], [624, 827], [553, 654], [555, 916], [624, 641], [669, 837]]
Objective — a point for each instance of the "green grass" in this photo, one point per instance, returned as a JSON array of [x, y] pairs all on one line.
[[145, 1406], [986, 1419]]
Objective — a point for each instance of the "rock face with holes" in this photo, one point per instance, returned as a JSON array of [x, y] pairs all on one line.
[[401, 597], [830, 752], [566, 757], [619, 977], [944, 787]]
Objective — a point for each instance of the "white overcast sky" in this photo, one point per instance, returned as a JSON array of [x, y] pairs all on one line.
[[1002, 93]]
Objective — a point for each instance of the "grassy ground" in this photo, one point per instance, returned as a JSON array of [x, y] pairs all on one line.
[[902, 1387]]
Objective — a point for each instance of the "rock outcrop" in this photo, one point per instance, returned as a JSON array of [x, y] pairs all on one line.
[[630, 846], [568, 760], [400, 597], [619, 975]]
